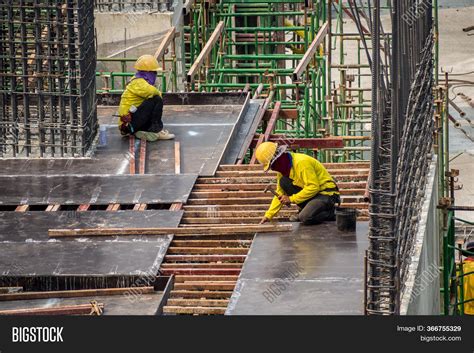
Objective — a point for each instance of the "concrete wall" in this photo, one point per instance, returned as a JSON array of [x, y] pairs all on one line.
[[132, 34], [421, 295], [117, 30]]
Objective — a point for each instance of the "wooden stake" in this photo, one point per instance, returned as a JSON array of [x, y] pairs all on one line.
[[177, 158]]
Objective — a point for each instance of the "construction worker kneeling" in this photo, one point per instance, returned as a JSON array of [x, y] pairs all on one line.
[[301, 180], [141, 105]]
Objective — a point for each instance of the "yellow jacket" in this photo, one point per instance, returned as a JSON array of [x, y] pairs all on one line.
[[135, 93], [468, 266], [307, 173]]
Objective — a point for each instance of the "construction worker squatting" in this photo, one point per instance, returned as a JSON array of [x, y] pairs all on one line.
[[301, 180], [141, 104]]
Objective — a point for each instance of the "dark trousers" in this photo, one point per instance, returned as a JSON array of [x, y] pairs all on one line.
[[316, 210], [148, 115]]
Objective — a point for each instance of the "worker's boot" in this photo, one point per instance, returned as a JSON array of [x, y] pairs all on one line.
[[165, 135], [146, 135]]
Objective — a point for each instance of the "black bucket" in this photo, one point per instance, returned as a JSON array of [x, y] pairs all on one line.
[[346, 219]]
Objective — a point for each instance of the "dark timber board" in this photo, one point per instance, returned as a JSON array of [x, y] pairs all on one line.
[[315, 270], [205, 132], [82, 258], [110, 158], [26, 250], [240, 133], [33, 226], [142, 304], [95, 189]]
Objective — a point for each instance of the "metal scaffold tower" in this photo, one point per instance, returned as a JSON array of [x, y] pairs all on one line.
[[282, 51], [47, 86]]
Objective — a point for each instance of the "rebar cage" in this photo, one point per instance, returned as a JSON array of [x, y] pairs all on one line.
[[132, 5], [47, 78]]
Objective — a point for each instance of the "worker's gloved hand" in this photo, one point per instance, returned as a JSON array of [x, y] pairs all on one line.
[[284, 199], [264, 220]]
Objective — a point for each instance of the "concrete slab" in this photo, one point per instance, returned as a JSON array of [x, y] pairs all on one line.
[[33, 226], [82, 258], [95, 189], [314, 270], [143, 304]]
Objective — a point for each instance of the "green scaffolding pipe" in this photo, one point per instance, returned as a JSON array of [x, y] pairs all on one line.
[[265, 29], [276, 13], [263, 56]]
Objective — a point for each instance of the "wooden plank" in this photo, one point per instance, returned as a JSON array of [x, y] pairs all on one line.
[[236, 214], [231, 208], [178, 231], [208, 258], [22, 208], [200, 294], [200, 271], [234, 220], [177, 158], [208, 243], [255, 194], [83, 208], [256, 173], [203, 285], [176, 206], [142, 157], [310, 53], [231, 201], [131, 154], [113, 207], [270, 126], [228, 211], [71, 293], [198, 265], [328, 166], [194, 310], [83, 309], [197, 302], [183, 278], [238, 180], [52, 208], [216, 34], [165, 43], [229, 187], [140, 207], [207, 251], [286, 114]]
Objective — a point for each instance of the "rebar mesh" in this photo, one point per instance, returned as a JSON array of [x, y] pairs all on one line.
[[132, 5], [47, 78], [402, 136]]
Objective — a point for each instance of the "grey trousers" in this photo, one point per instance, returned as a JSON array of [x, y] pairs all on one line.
[[313, 211]]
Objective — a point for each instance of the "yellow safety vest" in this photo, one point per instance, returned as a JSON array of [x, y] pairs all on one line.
[[137, 91], [310, 175], [468, 266]]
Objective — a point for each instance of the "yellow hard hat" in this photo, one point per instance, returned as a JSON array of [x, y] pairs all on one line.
[[147, 63], [265, 153]]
